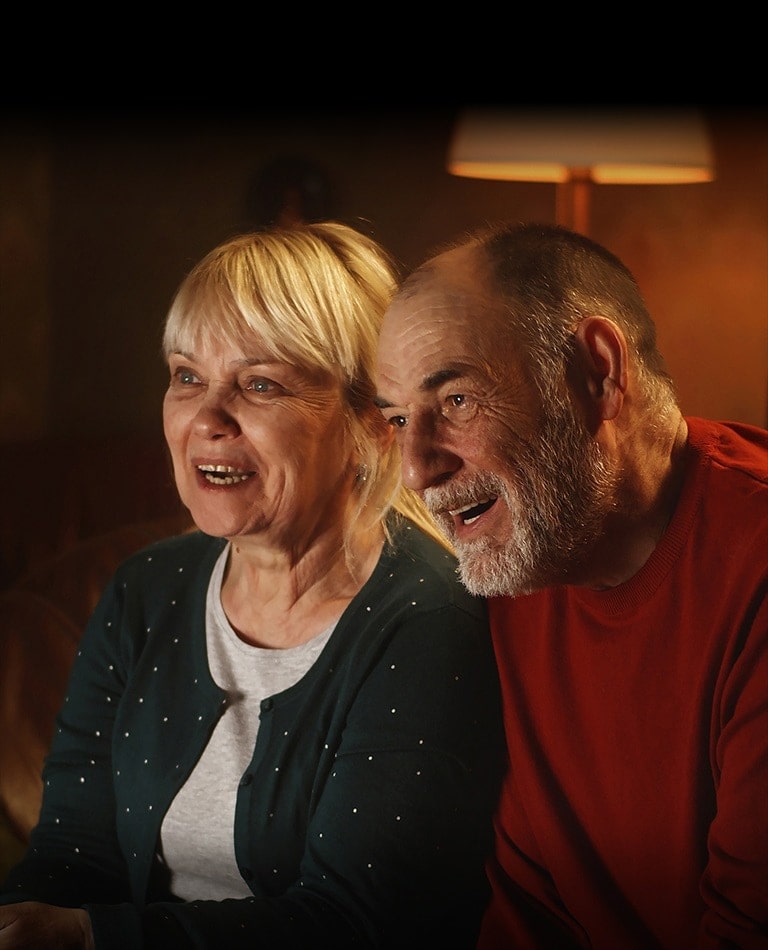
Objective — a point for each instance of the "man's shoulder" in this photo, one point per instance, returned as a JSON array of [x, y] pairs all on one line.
[[734, 446]]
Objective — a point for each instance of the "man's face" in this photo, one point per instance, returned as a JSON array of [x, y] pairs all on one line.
[[515, 484]]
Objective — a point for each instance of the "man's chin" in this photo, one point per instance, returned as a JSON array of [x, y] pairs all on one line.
[[478, 587], [489, 573], [481, 585]]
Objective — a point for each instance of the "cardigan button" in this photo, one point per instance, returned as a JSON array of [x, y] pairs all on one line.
[[267, 704], [246, 780]]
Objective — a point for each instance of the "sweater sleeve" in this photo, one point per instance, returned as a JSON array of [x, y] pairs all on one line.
[[73, 854], [735, 881], [404, 825]]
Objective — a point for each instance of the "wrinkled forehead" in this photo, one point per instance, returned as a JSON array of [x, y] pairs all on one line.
[[453, 318], [451, 294], [444, 324]]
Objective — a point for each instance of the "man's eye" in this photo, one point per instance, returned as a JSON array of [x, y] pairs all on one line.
[[396, 421], [459, 408], [258, 385]]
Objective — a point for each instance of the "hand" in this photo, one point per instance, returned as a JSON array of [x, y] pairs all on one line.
[[34, 926]]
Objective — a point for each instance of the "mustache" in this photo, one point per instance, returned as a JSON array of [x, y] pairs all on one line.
[[440, 499]]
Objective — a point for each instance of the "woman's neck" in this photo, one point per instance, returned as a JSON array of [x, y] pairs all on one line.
[[278, 598]]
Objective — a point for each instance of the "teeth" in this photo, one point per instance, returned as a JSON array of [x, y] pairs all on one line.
[[216, 479], [217, 468], [223, 474], [473, 504]]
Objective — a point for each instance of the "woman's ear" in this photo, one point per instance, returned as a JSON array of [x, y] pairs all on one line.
[[602, 348]]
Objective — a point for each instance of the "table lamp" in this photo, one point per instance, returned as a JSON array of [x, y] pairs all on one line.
[[577, 147]]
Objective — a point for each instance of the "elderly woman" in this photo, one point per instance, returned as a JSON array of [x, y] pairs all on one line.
[[282, 729]]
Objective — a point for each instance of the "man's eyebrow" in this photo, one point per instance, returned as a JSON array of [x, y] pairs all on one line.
[[428, 384], [436, 379]]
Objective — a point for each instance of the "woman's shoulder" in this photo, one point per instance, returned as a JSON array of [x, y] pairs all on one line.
[[409, 538], [415, 565], [409, 545], [178, 554]]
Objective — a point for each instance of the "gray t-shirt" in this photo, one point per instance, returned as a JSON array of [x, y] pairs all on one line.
[[197, 839]]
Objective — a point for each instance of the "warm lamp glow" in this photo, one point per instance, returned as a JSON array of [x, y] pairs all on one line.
[[628, 147], [580, 147]]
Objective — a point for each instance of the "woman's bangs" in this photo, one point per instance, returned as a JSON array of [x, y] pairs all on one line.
[[206, 317]]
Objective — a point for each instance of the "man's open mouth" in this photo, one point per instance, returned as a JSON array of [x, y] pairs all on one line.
[[472, 512]]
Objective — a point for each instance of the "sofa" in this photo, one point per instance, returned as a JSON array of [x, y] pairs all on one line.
[[60, 545]]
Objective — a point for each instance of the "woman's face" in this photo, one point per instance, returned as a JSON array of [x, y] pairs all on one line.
[[259, 446]]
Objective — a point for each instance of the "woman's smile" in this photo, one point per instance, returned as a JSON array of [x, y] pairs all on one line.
[[223, 475]]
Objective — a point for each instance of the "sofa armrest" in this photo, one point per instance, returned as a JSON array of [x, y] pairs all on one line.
[[43, 617], [36, 651]]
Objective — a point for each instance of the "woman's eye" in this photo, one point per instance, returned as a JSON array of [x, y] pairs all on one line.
[[260, 389], [185, 377], [258, 385]]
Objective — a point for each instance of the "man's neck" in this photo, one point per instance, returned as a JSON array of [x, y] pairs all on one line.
[[651, 481]]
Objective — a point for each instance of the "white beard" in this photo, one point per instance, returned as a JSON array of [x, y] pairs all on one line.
[[558, 492]]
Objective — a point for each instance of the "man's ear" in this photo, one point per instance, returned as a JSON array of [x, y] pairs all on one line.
[[601, 348]]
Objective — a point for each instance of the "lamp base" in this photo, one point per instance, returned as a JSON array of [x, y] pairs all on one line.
[[572, 200]]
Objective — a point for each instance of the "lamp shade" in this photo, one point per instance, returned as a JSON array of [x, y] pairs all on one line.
[[617, 146]]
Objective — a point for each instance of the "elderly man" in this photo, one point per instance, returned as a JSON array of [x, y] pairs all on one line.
[[622, 547]]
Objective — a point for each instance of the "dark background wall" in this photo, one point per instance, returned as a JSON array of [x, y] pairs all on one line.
[[101, 217]]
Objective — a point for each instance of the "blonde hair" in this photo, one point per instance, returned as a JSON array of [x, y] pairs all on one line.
[[316, 295]]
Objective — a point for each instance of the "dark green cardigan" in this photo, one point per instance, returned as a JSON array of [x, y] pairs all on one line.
[[364, 816]]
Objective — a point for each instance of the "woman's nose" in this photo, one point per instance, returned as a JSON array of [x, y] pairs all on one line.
[[426, 458], [215, 418]]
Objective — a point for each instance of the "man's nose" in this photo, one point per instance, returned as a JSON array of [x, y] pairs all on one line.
[[426, 458]]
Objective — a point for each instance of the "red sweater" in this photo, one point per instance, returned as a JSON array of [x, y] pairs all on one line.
[[635, 810]]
